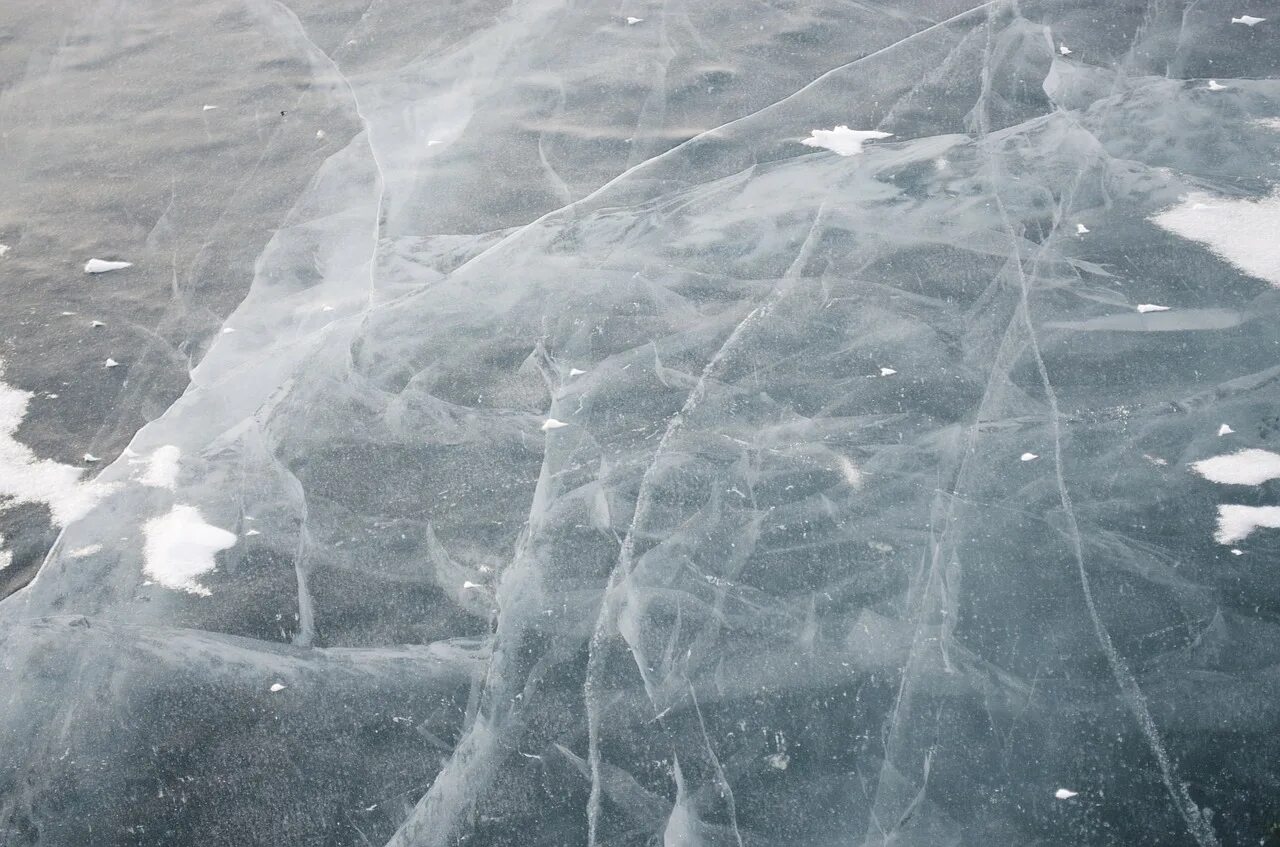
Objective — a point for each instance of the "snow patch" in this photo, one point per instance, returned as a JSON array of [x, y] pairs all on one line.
[[1028, 457], [1245, 467], [1247, 20], [1144, 308], [1236, 523], [162, 468], [842, 140], [1065, 793], [1224, 430], [180, 546], [552, 423], [1240, 231], [83, 552]]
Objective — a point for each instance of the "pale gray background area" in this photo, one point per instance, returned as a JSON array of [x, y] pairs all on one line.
[[782, 576]]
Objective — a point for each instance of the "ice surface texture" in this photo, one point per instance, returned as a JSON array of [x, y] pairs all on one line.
[[607, 467]]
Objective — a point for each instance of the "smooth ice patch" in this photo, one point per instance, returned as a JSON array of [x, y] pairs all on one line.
[[1245, 467], [101, 266], [1236, 523], [843, 141], [27, 479], [180, 546], [1240, 231], [162, 467]]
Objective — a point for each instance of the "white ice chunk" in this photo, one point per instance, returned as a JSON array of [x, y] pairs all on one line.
[[1245, 467], [101, 266], [276, 686], [633, 21], [320, 134], [1081, 229], [1214, 85], [1064, 49], [842, 140], [89, 457], [552, 423], [207, 107], [1236, 523], [1236, 551], [1247, 20], [96, 324], [1240, 231], [576, 372], [1028, 457], [887, 372], [253, 532], [1065, 793], [4, 248], [180, 546], [110, 363], [162, 467], [1225, 430], [1144, 308]]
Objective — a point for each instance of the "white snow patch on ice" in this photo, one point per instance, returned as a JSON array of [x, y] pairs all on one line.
[[887, 372], [180, 547], [1064, 49], [1240, 231], [1225, 430], [4, 248], [101, 266], [1214, 85], [87, 550], [1269, 123], [842, 140], [110, 363], [1028, 457], [1236, 523], [576, 372], [1065, 793], [1245, 467], [633, 21], [1144, 308], [275, 686], [162, 468], [552, 423], [1081, 229], [1247, 20], [207, 107], [27, 479]]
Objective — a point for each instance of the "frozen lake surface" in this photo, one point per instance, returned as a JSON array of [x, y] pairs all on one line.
[[697, 424]]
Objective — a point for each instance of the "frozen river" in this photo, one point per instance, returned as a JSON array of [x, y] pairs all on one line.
[[687, 423]]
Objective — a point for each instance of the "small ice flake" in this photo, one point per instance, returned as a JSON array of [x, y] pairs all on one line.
[[576, 372], [1224, 430], [207, 107], [96, 324], [1151, 307], [111, 363], [252, 532], [1065, 793], [89, 457], [1064, 49], [633, 21], [887, 372], [1236, 551], [842, 140], [552, 423], [227, 329], [4, 248], [466, 583], [320, 134], [101, 266], [326, 308], [1028, 457], [1214, 85], [1081, 229], [1247, 20], [275, 686]]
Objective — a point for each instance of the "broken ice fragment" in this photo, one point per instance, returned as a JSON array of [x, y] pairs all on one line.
[[1081, 229], [1064, 49], [4, 248], [1065, 793], [207, 107], [275, 686], [1245, 467], [180, 546], [842, 140], [96, 324], [466, 583], [1028, 457], [89, 457], [1247, 20], [633, 21], [1151, 307], [101, 266], [1225, 430], [253, 532], [552, 423], [1236, 523], [81, 552], [1214, 85], [887, 372], [227, 329], [1236, 551], [110, 363], [576, 372], [320, 134]]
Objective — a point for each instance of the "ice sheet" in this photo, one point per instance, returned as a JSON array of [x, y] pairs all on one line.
[[594, 463]]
